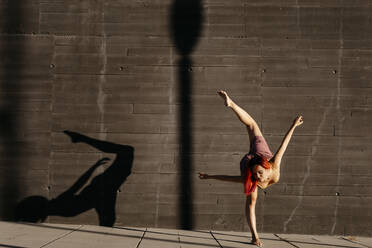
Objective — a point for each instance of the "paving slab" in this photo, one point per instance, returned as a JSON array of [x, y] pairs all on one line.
[[272, 240], [337, 241], [24, 235], [160, 238], [30, 235], [243, 240], [365, 241], [232, 240], [96, 236], [318, 241], [194, 239]]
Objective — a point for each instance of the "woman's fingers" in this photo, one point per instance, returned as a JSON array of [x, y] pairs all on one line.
[[222, 93], [299, 120]]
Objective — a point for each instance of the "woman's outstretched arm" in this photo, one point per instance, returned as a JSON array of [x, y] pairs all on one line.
[[226, 178], [279, 154], [250, 212], [244, 117]]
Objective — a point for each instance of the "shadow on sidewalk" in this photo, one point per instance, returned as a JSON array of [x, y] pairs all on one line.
[[190, 238]]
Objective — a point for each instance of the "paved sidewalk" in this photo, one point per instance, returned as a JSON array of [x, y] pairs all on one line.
[[22, 235]]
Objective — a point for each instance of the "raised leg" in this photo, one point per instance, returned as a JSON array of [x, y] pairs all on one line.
[[252, 126]]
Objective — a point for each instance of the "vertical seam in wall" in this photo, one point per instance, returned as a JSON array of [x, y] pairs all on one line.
[[207, 24], [157, 203], [298, 19], [339, 117], [102, 80], [38, 31], [51, 109], [261, 75], [244, 15]]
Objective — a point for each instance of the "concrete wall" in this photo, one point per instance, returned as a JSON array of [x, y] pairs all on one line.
[[110, 70]]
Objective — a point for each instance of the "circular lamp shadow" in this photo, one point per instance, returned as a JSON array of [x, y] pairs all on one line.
[[186, 23]]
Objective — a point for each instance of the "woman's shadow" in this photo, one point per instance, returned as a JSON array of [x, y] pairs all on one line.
[[100, 194]]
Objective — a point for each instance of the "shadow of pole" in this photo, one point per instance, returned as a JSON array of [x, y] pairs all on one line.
[[11, 54], [186, 21]]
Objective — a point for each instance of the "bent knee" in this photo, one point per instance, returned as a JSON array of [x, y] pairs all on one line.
[[254, 130]]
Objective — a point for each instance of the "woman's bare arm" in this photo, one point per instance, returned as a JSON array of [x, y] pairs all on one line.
[[283, 146], [226, 178], [250, 212]]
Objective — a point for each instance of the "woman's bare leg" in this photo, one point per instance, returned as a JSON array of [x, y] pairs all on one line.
[[244, 117]]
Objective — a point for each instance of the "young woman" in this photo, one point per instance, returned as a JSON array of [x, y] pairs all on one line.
[[257, 168]]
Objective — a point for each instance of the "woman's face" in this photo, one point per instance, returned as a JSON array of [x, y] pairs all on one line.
[[261, 174]]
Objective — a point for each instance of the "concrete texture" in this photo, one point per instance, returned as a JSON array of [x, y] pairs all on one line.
[[58, 235], [109, 69]]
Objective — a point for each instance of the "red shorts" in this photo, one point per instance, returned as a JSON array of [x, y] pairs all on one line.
[[258, 147]]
